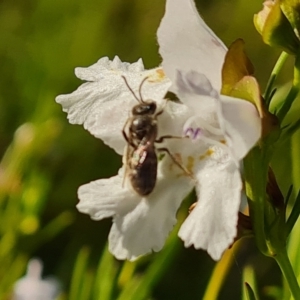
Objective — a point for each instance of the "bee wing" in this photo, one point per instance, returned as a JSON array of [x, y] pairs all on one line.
[[126, 161]]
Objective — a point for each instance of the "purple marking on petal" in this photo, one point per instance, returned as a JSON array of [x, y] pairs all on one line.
[[193, 133]]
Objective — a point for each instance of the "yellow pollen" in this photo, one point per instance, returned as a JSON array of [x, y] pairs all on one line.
[[160, 73], [222, 141], [158, 76], [209, 152]]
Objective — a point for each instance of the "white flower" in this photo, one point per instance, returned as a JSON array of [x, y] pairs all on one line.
[[193, 57], [222, 131], [33, 287]]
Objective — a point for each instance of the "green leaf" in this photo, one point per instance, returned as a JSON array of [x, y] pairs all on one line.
[[291, 9], [238, 82], [247, 88], [293, 93], [79, 278], [236, 66], [237, 79], [249, 292], [294, 215], [105, 276]]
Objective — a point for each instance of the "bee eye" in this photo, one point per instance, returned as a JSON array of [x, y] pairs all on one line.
[[152, 107], [144, 109]]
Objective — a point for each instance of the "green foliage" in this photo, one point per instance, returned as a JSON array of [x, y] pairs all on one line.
[[43, 162]]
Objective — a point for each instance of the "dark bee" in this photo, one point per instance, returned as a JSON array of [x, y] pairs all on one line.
[[140, 131], [141, 134]]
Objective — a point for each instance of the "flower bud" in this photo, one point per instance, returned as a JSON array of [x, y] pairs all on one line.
[[275, 28]]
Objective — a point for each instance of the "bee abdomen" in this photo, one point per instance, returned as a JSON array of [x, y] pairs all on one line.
[[143, 176]]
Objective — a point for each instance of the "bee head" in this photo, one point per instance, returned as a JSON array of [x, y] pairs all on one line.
[[147, 107]]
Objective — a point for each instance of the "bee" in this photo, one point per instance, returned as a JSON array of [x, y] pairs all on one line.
[[140, 132]]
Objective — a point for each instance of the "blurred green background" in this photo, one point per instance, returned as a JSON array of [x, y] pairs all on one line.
[[45, 159]]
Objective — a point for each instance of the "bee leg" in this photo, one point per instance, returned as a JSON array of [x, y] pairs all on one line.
[[127, 154], [182, 167], [162, 138], [127, 139]]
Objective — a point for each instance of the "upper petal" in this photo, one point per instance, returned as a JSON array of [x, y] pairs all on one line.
[[241, 125], [104, 103], [195, 91], [187, 43], [212, 223]]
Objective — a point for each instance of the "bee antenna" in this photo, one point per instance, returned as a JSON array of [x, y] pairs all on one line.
[[140, 88], [130, 89]]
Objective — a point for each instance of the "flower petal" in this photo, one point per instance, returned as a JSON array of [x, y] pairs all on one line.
[[196, 91], [104, 67], [104, 103], [173, 118], [236, 119], [187, 43], [147, 226], [241, 123], [106, 197], [212, 223]]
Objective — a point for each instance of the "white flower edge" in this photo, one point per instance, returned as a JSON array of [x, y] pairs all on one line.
[[103, 104]]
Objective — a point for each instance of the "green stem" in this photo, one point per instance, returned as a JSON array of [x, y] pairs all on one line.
[[256, 193], [293, 92], [277, 68], [288, 272], [294, 215], [288, 102]]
